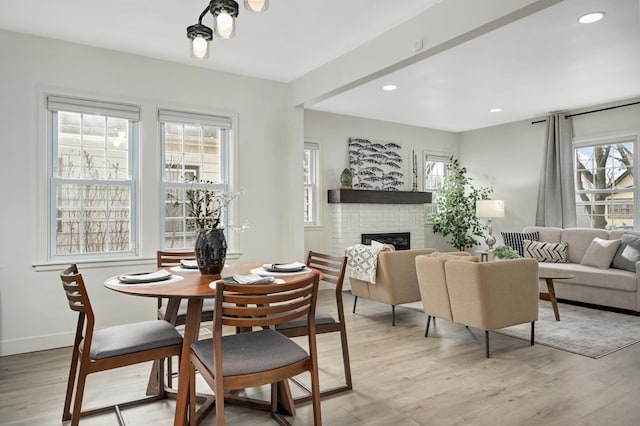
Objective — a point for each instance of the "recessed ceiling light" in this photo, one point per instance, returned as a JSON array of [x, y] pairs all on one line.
[[389, 87], [495, 110], [590, 18]]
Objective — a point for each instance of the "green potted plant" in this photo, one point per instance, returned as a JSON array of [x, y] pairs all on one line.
[[505, 252], [455, 215]]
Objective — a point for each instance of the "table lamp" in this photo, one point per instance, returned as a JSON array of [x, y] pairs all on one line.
[[490, 209]]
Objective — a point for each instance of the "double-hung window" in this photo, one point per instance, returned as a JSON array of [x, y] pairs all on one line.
[[311, 191], [435, 170], [606, 183], [195, 154], [92, 178]]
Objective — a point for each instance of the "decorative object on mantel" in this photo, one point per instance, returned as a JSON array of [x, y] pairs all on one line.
[[375, 165], [456, 208], [346, 179], [415, 171]]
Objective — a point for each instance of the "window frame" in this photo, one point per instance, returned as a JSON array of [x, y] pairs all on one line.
[[608, 140], [439, 157], [314, 174], [226, 124], [54, 104]]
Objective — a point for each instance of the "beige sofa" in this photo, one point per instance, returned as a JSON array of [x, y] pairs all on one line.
[[396, 280], [606, 286], [488, 295]]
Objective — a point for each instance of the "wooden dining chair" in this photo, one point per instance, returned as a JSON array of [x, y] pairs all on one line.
[[172, 259], [333, 270], [255, 358], [109, 348]]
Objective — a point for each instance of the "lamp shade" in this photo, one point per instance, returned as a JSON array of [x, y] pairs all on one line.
[[490, 208]]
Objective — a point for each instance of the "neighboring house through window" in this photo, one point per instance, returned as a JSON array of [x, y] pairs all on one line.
[[606, 183], [92, 178], [311, 191], [195, 154]]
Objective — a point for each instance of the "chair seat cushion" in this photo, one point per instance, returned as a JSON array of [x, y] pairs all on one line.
[[131, 338], [247, 353], [322, 317], [207, 308]]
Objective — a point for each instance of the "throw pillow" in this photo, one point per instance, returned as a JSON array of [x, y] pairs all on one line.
[[628, 253], [600, 252], [545, 252], [515, 239]]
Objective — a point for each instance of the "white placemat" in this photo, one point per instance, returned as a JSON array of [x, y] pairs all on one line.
[[262, 271], [116, 283], [179, 268]]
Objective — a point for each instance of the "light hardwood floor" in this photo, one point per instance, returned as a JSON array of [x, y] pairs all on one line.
[[400, 378]]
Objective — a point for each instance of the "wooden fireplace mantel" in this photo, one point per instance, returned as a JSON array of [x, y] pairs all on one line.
[[378, 197]]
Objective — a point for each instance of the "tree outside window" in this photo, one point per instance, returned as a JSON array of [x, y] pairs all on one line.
[[92, 180], [605, 185]]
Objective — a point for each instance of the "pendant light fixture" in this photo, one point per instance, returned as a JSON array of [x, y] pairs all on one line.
[[224, 14]]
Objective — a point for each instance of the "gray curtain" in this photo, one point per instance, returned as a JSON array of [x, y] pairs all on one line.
[[556, 194]]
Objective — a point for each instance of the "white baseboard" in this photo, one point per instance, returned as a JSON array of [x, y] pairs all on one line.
[[37, 343]]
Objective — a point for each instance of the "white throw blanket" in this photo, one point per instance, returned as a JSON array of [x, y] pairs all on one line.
[[362, 260]]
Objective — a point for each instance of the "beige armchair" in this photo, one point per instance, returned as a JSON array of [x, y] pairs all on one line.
[[488, 296], [396, 280]]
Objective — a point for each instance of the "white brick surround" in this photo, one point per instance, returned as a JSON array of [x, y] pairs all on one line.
[[351, 220]]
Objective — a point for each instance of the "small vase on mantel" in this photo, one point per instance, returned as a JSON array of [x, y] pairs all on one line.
[[346, 178], [211, 251]]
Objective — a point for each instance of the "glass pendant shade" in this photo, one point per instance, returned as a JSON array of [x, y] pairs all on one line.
[[256, 5], [200, 48], [224, 25]]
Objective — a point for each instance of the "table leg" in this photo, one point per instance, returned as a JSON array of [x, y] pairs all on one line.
[[191, 328], [552, 297], [170, 315]]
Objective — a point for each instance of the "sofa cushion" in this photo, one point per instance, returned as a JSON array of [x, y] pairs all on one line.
[[579, 239], [628, 253], [515, 239], [545, 252], [600, 253], [545, 233], [615, 279]]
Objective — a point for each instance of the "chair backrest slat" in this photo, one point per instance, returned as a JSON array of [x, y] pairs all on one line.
[[262, 305], [332, 267], [75, 290], [173, 258]]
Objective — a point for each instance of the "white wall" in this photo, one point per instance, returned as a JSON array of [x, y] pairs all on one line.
[[33, 311], [509, 158], [332, 132]]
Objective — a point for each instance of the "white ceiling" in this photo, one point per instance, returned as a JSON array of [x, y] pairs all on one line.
[[542, 63]]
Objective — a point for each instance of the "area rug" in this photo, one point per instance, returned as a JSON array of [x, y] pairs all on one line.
[[589, 332]]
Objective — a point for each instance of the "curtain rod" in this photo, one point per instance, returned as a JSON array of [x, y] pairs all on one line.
[[589, 112]]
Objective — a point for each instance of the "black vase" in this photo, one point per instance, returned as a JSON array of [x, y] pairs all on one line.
[[211, 251]]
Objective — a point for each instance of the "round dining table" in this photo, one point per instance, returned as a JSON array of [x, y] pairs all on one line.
[[190, 284]]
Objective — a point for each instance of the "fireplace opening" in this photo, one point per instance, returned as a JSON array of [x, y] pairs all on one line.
[[400, 240]]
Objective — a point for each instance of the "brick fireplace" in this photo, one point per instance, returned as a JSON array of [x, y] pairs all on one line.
[[357, 212]]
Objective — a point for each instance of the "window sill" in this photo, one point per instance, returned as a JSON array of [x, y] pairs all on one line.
[[107, 263]]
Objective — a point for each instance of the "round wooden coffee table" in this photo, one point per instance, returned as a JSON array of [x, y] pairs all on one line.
[[549, 276]]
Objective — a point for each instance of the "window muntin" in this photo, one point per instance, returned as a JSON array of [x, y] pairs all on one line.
[[606, 184], [92, 180], [195, 155], [310, 183]]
